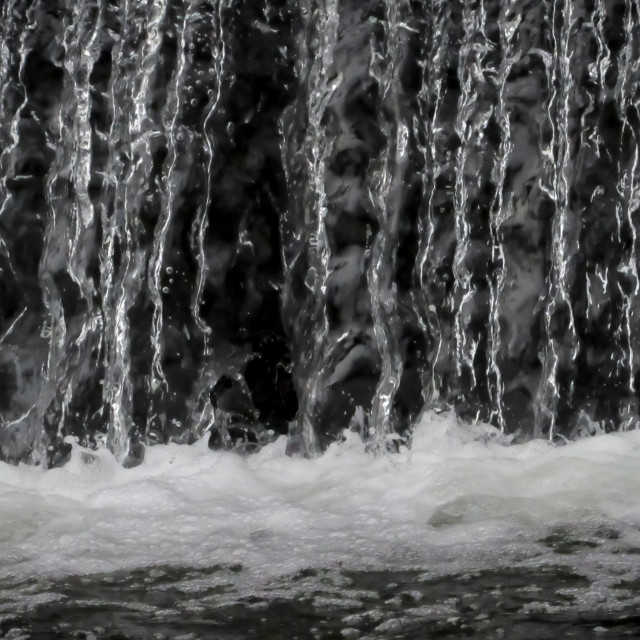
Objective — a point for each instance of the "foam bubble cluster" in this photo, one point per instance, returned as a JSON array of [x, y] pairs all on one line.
[[458, 498]]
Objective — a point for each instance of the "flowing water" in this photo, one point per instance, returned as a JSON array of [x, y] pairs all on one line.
[[389, 247], [460, 536]]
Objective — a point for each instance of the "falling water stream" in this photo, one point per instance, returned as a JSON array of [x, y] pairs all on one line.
[[388, 247]]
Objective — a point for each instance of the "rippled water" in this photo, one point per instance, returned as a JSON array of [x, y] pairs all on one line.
[[459, 536], [189, 604]]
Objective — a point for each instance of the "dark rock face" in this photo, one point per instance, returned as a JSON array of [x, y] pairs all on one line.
[[274, 217]]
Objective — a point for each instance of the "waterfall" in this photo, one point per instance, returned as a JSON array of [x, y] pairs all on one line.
[[298, 218]]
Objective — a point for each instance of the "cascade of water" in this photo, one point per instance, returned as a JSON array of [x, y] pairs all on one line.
[[629, 203], [26, 161], [561, 347], [472, 191], [141, 197], [170, 183], [241, 219], [500, 211], [202, 406], [599, 288], [10, 30], [70, 245], [518, 222], [440, 97], [388, 179], [426, 128], [320, 81], [12, 95], [123, 258]]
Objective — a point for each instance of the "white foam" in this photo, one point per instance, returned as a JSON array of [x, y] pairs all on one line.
[[457, 494]]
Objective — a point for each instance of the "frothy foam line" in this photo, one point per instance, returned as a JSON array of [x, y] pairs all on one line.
[[455, 496]]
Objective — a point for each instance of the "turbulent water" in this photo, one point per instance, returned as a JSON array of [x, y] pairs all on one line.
[[458, 537], [277, 217], [389, 247]]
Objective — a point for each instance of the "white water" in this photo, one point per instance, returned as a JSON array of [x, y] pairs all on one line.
[[459, 500]]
